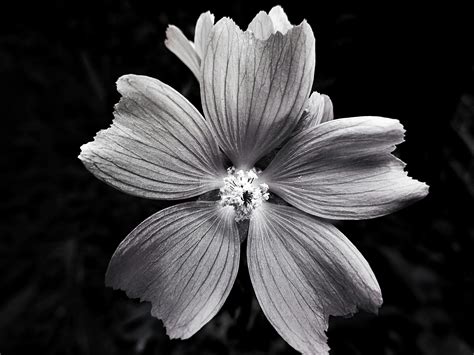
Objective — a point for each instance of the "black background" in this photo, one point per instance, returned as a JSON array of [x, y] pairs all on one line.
[[58, 65]]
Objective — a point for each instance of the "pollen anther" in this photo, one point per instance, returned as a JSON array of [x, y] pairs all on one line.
[[241, 191]]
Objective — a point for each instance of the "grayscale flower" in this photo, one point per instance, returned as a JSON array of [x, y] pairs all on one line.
[[255, 92]]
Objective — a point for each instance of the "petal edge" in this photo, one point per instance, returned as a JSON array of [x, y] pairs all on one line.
[[184, 260], [344, 169], [158, 146], [303, 270]]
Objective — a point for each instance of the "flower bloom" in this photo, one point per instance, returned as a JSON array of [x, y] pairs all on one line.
[[255, 92]]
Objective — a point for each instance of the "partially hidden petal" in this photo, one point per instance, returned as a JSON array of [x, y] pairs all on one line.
[[177, 43], [253, 91], [303, 270], [319, 109], [201, 35], [344, 169], [159, 146], [184, 260], [261, 26], [279, 19]]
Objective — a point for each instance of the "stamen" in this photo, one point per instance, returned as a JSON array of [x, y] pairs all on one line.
[[241, 191]]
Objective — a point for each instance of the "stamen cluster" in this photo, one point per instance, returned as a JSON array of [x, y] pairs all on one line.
[[242, 192]]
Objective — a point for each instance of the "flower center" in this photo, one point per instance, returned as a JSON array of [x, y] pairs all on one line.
[[241, 191]]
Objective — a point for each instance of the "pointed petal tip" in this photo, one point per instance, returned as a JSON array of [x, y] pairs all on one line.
[[277, 8], [280, 19], [303, 26], [422, 190]]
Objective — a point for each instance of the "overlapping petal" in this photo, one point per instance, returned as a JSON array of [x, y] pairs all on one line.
[[159, 146], [319, 109], [344, 169], [184, 260], [263, 25], [303, 270], [204, 26], [279, 19], [254, 91], [185, 50], [191, 53]]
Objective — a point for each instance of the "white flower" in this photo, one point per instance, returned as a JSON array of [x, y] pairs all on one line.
[[255, 90]]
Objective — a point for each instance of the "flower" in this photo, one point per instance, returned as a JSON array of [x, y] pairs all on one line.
[[255, 91]]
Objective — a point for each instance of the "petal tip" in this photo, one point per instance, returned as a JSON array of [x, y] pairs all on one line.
[[377, 301], [423, 189], [227, 21], [86, 151], [123, 80], [172, 32]]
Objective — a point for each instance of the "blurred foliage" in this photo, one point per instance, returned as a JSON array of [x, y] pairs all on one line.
[[58, 63]]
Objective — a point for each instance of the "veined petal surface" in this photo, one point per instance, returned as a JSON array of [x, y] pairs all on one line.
[[159, 146], [303, 270], [319, 109], [344, 169], [261, 26], [184, 260], [201, 35], [177, 43], [253, 91]]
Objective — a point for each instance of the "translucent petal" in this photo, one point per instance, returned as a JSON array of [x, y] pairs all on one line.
[[303, 270], [344, 169], [159, 146], [183, 260]]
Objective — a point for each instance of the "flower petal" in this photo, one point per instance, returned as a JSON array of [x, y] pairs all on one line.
[[279, 19], [261, 26], [344, 169], [201, 35], [254, 91], [159, 146], [184, 260], [318, 110], [303, 270], [177, 43]]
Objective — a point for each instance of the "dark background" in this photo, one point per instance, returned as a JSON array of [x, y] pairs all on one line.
[[58, 65]]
